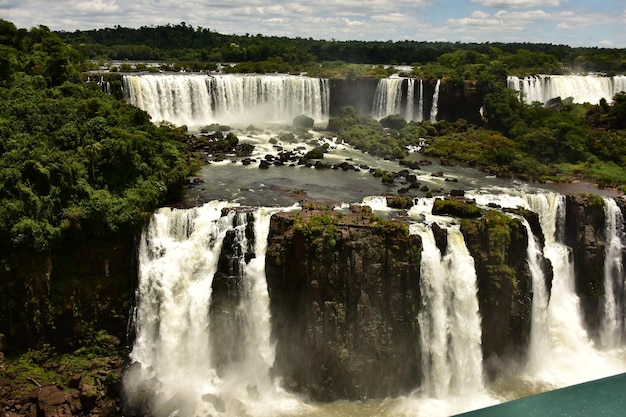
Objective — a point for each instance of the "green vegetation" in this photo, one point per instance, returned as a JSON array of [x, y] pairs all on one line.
[[74, 162], [45, 366], [196, 47], [457, 208]]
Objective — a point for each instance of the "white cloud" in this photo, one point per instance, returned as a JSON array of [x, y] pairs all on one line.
[[97, 6], [517, 4]]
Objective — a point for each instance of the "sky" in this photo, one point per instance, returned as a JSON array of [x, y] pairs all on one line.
[[595, 23]]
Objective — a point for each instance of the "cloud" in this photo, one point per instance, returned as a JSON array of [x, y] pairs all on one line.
[[517, 4], [98, 6]]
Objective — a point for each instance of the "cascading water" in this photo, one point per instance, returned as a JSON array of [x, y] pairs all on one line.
[[420, 102], [388, 97], [175, 367], [201, 99], [435, 107], [582, 88], [410, 98], [612, 331], [539, 335], [449, 319]]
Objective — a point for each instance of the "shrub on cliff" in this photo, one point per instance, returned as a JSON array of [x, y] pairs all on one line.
[[457, 208]]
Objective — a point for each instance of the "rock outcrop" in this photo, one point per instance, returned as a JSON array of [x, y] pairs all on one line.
[[585, 233], [344, 294]]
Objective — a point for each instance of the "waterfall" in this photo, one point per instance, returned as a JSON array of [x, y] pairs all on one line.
[[539, 336], [387, 97], [201, 99], [612, 330], [175, 352], [449, 319], [420, 102], [410, 98], [435, 107], [569, 341], [582, 88]]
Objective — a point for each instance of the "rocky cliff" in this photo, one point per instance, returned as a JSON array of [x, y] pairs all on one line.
[[344, 294], [345, 298], [63, 324], [585, 232]]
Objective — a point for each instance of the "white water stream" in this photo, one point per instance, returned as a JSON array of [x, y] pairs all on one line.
[[173, 350], [612, 331]]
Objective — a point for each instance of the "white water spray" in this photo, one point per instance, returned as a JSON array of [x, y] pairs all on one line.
[[173, 353], [200, 99], [420, 102], [387, 97], [449, 319], [572, 358], [434, 110], [582, 88], [612, 330], [539, 335], [410, 98]]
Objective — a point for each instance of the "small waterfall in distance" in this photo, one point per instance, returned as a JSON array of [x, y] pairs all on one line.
[[582, 88], [612, 331], [201, 99], [435, 107], [410, 94], [389, 99], [420, 102], [174, 354]]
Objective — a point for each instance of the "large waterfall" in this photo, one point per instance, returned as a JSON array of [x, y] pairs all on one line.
[[582, 88], [449, 319], [199, 354], [403, 96], [192, 356], [240, 100]]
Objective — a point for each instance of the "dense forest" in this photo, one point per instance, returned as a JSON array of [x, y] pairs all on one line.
[[201, 45], [74, 162]]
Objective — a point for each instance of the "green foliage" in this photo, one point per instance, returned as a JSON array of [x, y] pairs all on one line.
[[320, 231], [332, 58], [457, 208], [73, 161]]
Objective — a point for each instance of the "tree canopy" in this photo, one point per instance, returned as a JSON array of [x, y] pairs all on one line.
[[74, 162]]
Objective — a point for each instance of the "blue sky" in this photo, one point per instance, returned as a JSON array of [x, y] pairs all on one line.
[[571, 22]]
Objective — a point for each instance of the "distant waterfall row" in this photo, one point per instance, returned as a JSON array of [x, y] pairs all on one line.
[[582, 88], [201, 99], [405, 97]]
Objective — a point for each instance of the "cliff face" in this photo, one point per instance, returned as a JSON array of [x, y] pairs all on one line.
[[344, 296], [345, 299], [585, 233], [498, 244], [65, 296], [71, 308]]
